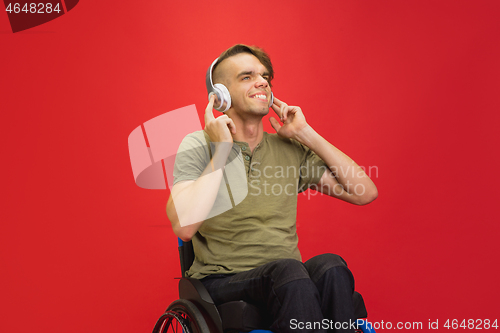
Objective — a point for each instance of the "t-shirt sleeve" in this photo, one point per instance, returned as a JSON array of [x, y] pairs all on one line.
[[192, 157], [311, 169]]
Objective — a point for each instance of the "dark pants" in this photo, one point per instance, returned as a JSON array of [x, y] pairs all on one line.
[[315, 296]]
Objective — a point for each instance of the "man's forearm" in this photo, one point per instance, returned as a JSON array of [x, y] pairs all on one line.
[[191, 201], [344, 169]]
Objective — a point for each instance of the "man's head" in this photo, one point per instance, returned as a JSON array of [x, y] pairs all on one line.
[[218, 75], [246, 71]]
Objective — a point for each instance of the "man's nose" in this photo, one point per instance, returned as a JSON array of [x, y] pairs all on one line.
[[261, 82]]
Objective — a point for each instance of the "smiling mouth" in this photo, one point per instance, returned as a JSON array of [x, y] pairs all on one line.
[[260, 96]]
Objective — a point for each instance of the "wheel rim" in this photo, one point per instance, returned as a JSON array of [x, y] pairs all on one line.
[[182, 316], [176, 322]]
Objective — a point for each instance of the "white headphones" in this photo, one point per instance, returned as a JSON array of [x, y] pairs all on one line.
[[221, 91]]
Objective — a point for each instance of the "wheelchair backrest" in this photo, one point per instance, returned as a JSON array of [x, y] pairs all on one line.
[[186, 255]]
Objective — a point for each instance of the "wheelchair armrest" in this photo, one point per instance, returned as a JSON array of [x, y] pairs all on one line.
[[359, 306], [193, 290]]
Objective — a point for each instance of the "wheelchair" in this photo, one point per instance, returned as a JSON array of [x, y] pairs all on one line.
[[195, 312]]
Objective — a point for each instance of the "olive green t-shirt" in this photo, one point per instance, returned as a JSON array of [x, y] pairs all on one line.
[[256, 224]]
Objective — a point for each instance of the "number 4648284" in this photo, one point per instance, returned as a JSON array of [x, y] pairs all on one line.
[[33, 8], [471, 324]]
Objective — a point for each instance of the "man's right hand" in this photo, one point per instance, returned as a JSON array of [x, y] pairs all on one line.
[[218, 129]]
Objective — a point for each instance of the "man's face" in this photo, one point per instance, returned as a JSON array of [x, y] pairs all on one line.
[[246, 79]]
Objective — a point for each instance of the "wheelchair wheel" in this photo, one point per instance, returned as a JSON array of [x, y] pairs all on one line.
[[181, 316]]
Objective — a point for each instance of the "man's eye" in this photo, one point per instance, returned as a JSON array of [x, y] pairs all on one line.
[[246, 78]]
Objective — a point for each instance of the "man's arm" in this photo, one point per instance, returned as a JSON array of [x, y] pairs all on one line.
[[345, 179], [190, 201]]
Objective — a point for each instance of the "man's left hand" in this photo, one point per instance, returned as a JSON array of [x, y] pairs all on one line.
[[292, 118]]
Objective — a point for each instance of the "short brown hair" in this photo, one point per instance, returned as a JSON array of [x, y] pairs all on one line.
[[254, 50]]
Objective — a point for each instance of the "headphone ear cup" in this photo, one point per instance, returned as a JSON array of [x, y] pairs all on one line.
[[272, 99], [219, 98], [225, 97]]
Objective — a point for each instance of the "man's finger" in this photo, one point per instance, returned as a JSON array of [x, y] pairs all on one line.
[[284, 111], [275, 124], [231, 125], [209, 111], [276, 110], [276, 101]]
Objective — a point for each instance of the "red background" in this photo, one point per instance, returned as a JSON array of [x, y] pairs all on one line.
[[409, 87]]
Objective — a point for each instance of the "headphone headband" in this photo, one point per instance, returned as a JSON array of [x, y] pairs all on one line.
[[218, 89]]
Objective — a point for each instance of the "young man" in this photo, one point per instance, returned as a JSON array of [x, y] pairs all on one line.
[[249, 252]]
